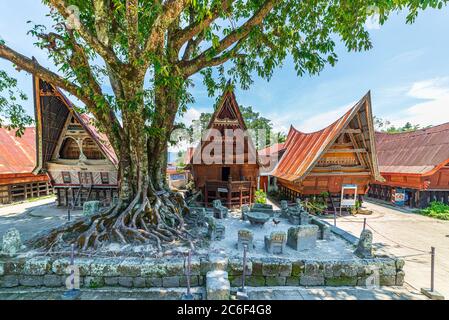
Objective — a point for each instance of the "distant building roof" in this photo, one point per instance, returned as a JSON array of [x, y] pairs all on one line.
[[17, 154], [271, 149], [419, 152]]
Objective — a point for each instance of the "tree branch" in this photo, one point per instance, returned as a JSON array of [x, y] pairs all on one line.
[[195, 28], [35, 68], [101, 47], [132, 21], [209, 56], [170, 11]]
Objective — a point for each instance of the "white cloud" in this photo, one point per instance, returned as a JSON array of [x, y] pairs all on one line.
[[322, 120], [433, 111], [407, 56], [190, 115], [372, 22]]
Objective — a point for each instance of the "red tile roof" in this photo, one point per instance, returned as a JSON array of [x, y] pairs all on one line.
[[419, 152], [303, 150], [271, 149], [17, 154]]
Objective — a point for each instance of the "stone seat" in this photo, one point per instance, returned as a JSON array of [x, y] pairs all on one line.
[[302, 237], [245, 237], [215, 230], [275, 242], [220, 211]]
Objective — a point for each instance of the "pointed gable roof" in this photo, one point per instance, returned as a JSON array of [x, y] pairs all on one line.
[[303, 150], [228, 112], [52, 108], [226, 115]]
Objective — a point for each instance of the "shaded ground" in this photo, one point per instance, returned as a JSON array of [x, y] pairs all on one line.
[[33, 217], [410, 236], [262, 293]]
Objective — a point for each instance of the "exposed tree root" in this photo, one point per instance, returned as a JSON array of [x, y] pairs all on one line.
[[151, 217]]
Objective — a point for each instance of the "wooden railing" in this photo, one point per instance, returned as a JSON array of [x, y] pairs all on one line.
[[231, 193]]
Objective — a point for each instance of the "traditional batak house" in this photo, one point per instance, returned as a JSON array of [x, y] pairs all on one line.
[[17, 160], [221, 172], [78, 158], [415, 166], [344, 153]]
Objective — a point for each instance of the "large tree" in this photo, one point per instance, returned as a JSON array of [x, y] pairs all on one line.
[[148, 50]]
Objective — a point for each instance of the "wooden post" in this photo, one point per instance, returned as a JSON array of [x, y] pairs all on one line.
[[9, 194], [47, 189], [25, 191], [250, 193], [206, 195], [241, 196], [229, 191]]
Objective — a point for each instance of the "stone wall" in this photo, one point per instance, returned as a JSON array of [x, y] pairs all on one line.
[[135, 272]]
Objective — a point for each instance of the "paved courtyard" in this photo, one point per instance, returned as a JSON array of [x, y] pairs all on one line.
[[395, 232], [32, 217], [410, 236], [265, 293]]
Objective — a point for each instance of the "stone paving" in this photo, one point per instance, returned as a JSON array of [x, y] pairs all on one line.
[[33, 217], [410, 236], [266, 293]]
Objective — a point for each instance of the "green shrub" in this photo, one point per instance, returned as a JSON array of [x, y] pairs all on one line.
[[261, 196], [437, 210], [316, 205]]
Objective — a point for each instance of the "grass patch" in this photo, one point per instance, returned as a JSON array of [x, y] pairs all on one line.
[[436, 210]]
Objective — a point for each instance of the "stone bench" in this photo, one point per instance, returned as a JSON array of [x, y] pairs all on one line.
[[275, 242]]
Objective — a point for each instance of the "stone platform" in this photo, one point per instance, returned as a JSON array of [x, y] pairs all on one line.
[[267, 293]]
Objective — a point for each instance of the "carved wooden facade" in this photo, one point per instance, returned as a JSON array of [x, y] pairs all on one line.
[[78, 158], [232, 177], [322, 161]]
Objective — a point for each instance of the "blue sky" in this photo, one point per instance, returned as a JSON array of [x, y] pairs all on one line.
[[407, 72]]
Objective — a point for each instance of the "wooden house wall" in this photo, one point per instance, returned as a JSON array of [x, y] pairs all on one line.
[[238, 172], [18, 187]]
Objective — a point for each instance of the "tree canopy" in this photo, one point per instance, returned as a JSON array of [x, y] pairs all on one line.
[[385, 126], [254, 122]]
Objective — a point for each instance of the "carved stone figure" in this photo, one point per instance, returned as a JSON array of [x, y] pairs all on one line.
[[11, 242], [365, 245]]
